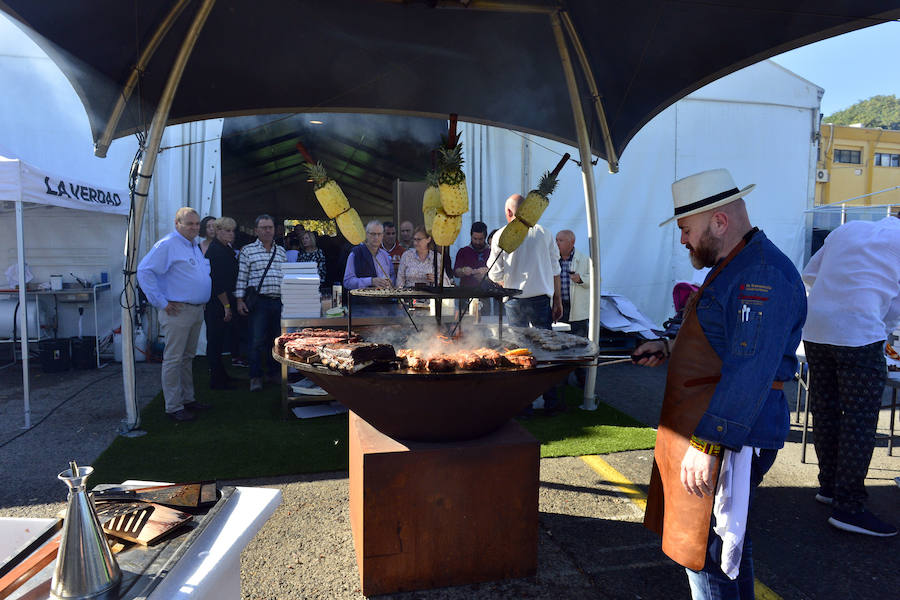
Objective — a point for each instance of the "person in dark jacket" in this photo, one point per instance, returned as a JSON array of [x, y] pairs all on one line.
[[219, 313]]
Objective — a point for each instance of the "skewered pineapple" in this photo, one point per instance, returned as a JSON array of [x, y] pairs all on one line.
[[445, 228], [534, 204], [328, 192], [431, 201], [351, 226], [452, 181], [513, 235]]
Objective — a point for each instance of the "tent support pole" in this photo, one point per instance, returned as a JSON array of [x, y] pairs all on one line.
[[133, 233], [587, 173], [105, 140], [23, 305], [611, 158]]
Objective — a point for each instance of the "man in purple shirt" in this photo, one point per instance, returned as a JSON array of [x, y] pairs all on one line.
[[471, 261], [369, 265]]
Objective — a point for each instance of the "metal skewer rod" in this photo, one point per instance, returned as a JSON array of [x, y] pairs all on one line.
[[465, 308]]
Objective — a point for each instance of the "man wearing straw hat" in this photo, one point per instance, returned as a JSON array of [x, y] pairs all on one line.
[[724, 414]]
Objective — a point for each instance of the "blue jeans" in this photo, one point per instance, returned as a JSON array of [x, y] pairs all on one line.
[[534, 311], [265, 326], [711, 583]]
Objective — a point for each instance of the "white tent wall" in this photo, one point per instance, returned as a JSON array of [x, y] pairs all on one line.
[[758, 122]]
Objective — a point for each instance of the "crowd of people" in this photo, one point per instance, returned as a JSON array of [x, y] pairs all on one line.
[[724, 415]]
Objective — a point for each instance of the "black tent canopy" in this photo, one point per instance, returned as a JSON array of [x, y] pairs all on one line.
[[492, 62]]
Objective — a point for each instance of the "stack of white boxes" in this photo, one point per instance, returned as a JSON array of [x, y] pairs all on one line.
[[300, 290]]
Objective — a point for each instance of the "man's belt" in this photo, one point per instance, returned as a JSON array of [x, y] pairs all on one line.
[[270, 296], [187, 303]]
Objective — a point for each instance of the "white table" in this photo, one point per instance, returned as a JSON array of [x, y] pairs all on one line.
[[209, 569]]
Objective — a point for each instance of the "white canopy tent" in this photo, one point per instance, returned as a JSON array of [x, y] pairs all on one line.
[[20, 184]]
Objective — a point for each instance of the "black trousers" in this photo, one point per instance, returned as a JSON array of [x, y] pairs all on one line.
[[217, 331], [845, 389]]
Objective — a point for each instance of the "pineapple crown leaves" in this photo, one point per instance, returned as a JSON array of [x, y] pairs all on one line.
[[547, 184], [318, 173], [451, 158], [431, 178]]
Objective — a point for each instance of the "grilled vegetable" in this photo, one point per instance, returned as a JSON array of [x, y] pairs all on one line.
[[513, 235], [328, 192], [445, 228], [351, 226]]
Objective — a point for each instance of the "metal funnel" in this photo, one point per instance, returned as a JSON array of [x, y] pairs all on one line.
[[85, 566]]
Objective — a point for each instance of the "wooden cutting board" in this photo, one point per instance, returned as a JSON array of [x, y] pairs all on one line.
[[140, 522]]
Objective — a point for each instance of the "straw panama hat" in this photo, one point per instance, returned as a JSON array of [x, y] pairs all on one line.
[[704, 191]]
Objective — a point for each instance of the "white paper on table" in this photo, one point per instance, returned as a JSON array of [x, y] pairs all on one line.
[[319, 410], [610, 316]]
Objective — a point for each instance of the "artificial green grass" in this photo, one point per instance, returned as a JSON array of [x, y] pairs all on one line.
[[244, 436], [579, 432]]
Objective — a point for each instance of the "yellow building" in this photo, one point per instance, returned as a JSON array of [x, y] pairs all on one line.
[[855, 161]]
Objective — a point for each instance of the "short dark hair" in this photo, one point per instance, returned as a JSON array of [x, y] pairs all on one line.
[[388, 224], [203, 223], [478, 227], [263, 217]]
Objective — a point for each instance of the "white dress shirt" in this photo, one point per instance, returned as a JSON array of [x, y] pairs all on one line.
[[175, 271], [531, 267], [854, 298]]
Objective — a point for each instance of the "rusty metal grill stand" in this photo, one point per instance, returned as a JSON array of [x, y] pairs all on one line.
[[438, 294]]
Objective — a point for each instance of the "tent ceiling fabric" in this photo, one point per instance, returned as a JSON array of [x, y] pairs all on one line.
[[363, 153], [426, 58]]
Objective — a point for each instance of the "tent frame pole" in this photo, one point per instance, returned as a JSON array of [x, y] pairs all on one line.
[[136, 217], [587, 173], [137, 70], [23, 304], [612, 158]]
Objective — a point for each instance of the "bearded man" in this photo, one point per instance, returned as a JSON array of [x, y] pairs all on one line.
[[724, 414]]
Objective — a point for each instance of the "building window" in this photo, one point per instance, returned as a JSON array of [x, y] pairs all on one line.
[[847, 156], [883, 159]]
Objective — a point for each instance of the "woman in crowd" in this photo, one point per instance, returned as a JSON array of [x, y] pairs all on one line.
[[207, 233], [220, 310], [309, 252], [417, 263]]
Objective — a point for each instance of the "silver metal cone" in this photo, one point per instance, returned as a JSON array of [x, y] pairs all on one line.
[[85, 566]]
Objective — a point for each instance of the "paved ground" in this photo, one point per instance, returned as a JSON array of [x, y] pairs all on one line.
[[591, 543]]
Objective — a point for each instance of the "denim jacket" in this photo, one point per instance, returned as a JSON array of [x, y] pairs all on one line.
[[752, 315]]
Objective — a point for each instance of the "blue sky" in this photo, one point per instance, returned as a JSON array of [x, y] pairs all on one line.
[[850, 67]]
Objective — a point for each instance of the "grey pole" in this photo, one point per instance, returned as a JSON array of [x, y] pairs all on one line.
[[590, 202], [133, 233], [23, 302]]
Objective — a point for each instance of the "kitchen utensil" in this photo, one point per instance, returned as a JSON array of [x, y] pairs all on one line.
[[189, 495], [85, 566], [140, 522]]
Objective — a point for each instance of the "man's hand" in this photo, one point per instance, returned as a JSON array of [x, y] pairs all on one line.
[[242, 308], [171, 309], [381, 282], [697, 472], [650, 348], [480, 271], [227, 315], [466, 271], [557, 308], [575, 277]]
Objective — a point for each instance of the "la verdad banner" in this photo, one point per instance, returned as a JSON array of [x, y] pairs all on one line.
[[46, 188]]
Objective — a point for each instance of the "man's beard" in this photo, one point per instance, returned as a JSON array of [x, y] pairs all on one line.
[[706, 254]]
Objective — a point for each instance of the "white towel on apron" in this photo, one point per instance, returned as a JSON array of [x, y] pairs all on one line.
[[730, 506]]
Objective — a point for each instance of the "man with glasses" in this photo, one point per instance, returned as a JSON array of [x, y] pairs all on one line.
[[369, 266], [259, 266]]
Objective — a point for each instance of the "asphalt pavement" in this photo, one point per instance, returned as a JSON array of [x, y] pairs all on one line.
[[591, 542]]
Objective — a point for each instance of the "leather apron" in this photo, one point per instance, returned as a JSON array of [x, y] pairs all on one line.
[[680, 517]]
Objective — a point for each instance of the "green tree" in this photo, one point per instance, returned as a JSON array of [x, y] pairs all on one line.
[[877, 111]]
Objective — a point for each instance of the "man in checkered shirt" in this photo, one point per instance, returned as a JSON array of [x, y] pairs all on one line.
[[265, 318]]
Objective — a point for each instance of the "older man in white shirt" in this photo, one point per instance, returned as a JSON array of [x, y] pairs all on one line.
[[533, 268], [175, 278], [854, 304]]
